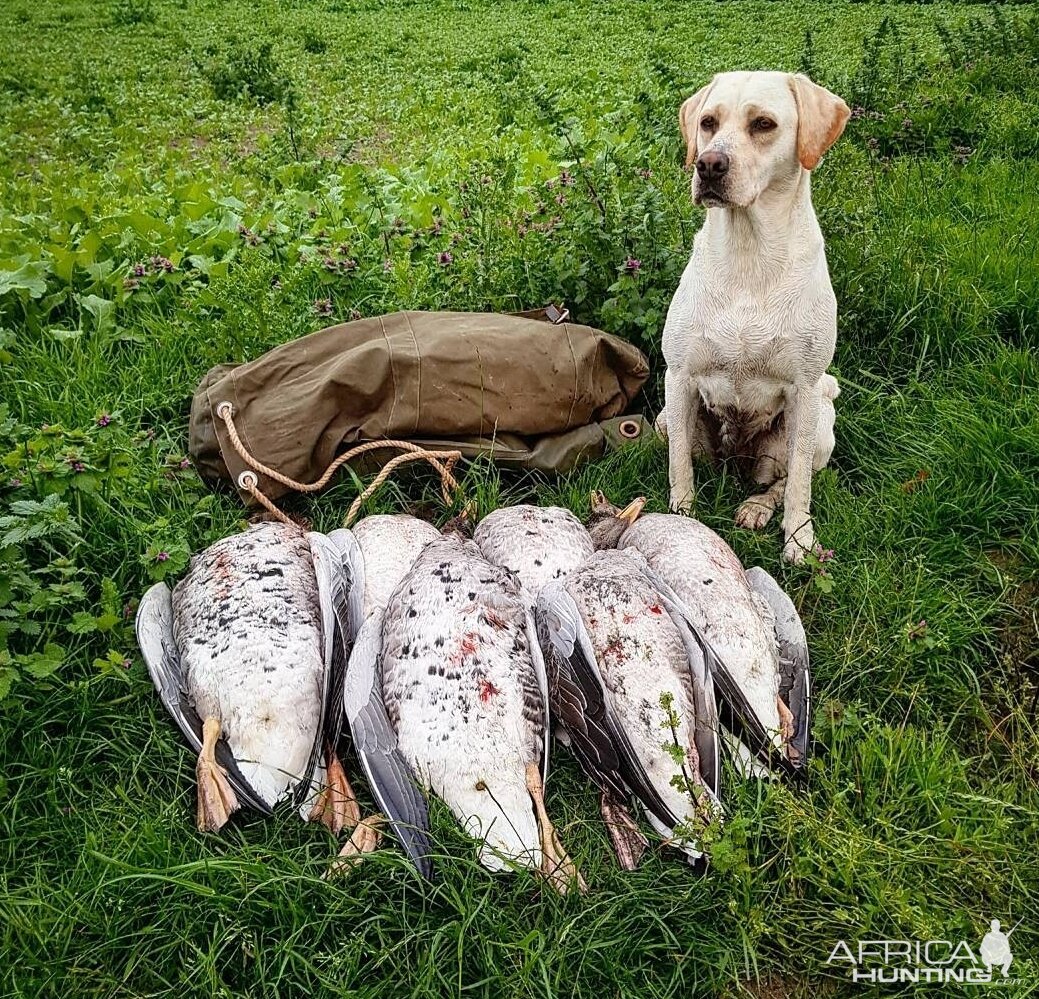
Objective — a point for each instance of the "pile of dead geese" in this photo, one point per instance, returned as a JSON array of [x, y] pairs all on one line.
[[452, 657]]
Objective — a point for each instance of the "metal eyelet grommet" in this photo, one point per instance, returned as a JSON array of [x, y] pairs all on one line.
[[224, 409], [630, 429], [248, 480]]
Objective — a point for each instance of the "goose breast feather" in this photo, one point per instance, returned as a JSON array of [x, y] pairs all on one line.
[[464, 688]]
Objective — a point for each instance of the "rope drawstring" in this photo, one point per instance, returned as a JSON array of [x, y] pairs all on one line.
[[443, 461]]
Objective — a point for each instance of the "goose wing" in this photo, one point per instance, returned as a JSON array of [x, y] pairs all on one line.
[[579, 696], [331, 557], [795, 683], [538, 658], [740, 717], [154, 628], [706, 732], [375, 742]]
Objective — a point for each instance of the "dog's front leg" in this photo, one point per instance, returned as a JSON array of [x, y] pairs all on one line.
[[682, 406], [802, 421]]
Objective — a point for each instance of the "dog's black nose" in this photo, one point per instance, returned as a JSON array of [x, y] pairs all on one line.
[[712, 166]]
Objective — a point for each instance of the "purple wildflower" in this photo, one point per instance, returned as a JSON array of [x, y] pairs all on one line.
[[632, 265], [355, 314], [445, 259], [103, 420], [350, 264], [139, 270], [127, 663], [162, 264], [387, 265], [560, 199], [15, 483], [566, 178], [185, 464], [162, 557], [76, 465], [823, 555], [329, 264], [131, 284], [323, 307]]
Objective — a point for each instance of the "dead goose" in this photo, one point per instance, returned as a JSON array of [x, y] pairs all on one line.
[[544, 543], [462, 710], [248, 653], [749, 622], [389, 544], [633, 689]]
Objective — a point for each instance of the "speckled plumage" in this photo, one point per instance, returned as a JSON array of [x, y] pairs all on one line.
[[389, 543], [249, 638], [539, 544], [708, 577], [612, 669], [465, 691], [732, 614]]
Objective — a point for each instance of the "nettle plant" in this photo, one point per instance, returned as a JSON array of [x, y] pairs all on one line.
[[56, 604]]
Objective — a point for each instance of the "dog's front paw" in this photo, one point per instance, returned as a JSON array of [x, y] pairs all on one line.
[[755, 512], [681, 501], [799, 544]]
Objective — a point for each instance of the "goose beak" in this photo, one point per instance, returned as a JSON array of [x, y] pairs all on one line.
[[631, 512]]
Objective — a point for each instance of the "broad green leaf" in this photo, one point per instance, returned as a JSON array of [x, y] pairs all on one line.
[[31, 277]]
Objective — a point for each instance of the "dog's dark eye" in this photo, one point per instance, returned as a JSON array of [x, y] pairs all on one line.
[[708, 123], [762, 125]]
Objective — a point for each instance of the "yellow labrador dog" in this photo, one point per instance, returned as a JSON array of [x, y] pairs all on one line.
[[752, 327]]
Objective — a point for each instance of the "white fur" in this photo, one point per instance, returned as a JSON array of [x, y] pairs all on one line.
[[753, 324]]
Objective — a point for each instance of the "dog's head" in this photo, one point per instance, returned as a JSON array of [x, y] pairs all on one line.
[[746, 132]]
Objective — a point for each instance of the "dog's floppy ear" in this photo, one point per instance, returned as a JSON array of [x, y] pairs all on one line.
[[821, 117], [689, 122]]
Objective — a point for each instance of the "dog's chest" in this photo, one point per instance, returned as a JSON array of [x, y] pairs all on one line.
[[751, 403]]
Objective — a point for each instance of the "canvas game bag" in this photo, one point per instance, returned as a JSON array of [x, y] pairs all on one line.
[[527, 392]]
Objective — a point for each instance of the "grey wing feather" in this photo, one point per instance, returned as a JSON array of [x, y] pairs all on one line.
[[340, 582], [537, 655], [706, 732], [154, 629], [597, 735], [334, 585], [744, 721], [795, 685], [375, 742], [353, 563]]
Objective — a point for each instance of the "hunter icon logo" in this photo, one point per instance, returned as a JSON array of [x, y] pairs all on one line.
[[995, 948]]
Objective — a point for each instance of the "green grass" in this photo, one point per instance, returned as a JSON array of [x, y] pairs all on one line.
[[248, 144]]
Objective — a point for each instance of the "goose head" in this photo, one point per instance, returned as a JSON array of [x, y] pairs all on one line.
[[607, 522]]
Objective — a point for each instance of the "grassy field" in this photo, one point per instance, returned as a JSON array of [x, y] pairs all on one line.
[[184, 183]]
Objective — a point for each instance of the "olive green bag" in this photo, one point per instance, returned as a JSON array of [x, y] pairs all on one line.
[[526, 390]]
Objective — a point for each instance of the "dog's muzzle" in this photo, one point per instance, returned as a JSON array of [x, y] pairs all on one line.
[[712, 169]]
